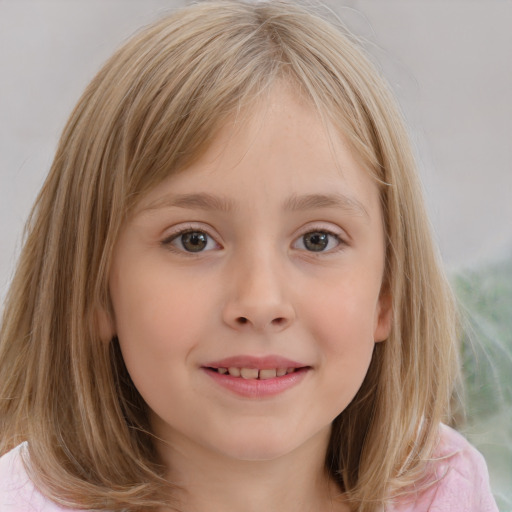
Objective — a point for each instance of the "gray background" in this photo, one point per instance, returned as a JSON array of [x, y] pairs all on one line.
[[449, 63]]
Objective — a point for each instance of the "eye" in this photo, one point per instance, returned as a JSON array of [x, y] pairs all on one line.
[[191, 240], [318, 241]]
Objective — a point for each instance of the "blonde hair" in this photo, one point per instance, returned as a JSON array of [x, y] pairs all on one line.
[[151, 110]]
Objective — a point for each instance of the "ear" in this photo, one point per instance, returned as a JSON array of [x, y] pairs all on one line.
[[383, 317], [105, 325]]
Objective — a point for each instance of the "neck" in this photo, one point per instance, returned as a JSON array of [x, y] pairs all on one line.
[[295, 482]]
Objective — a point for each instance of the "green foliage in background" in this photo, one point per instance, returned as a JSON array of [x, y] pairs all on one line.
[[485, 297]]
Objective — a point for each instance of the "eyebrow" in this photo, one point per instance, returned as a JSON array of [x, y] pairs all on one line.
[[211, 202], [315, 201], [202, 201]]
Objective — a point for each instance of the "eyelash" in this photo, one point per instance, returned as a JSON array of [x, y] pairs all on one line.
[[168, 242], [340, 242]]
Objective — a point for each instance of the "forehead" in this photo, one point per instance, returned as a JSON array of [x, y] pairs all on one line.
[[283, 144]]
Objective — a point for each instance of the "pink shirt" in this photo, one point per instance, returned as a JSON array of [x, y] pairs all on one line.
[[463, 481], [463, 484]]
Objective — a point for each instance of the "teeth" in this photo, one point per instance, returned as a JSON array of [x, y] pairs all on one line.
[[254, 373], [268, 374], [249, 373], [234, 372]]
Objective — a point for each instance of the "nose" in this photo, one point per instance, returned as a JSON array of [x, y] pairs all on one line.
[[257, 298]]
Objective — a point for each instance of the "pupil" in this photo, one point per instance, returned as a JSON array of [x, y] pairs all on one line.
[[194, 241], [316, 241]]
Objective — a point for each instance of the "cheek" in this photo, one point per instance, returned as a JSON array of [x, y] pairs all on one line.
[[154, 307], [156, 321], [344, 317], [343, 332], [157, 327]]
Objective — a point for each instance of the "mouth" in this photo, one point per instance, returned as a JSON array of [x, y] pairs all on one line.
[[255, 373], [257, 378]]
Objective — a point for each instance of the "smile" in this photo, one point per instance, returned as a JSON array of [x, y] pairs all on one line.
[[254, 373], [256, 377]]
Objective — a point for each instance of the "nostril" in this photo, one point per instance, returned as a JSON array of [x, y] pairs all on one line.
[[278, 322]]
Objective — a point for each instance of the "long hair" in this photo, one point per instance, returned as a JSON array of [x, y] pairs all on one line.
[[152, 109]]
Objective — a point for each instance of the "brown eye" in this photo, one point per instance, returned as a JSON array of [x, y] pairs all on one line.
[[194, 241], [191, 241], [317, 241]]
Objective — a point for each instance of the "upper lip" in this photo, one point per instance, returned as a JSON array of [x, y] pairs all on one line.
[[261, 363]]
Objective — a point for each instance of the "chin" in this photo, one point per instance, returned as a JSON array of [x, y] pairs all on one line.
[[263, 445]]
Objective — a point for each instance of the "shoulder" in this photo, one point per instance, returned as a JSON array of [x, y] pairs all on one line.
[[17, 492], [461, 480]]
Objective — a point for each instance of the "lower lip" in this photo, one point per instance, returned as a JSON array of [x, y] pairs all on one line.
[[258, 388]]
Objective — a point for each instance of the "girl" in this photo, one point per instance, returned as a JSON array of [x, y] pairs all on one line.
[[228, 298]]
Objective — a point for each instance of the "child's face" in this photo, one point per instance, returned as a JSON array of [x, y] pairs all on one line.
[[268, 253]]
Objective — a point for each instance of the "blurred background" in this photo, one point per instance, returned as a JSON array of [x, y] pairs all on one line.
[[449, 63]]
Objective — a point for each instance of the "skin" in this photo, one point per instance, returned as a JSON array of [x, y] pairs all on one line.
[[256, 289]]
